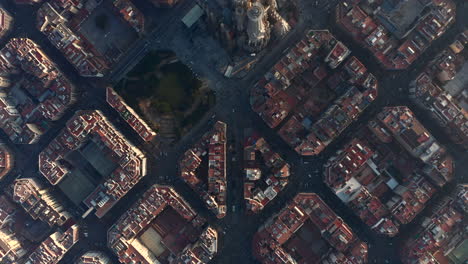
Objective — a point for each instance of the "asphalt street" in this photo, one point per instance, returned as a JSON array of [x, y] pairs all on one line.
[[232, 107]]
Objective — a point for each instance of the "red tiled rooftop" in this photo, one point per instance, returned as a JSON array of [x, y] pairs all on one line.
[[25, 121], [288, 87], [444, 108], [436, 235], [52, 250], [274, 181], [131, 161], [367, 30], [414, 137], [129, 115], [145, 212], [6, 160], [131, 14], [75, 47], [38, 202], [361, 180], [211, 146], [269, 241]]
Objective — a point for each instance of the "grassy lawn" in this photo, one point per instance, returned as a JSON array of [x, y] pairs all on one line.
[[171, 90], [169, 86]]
